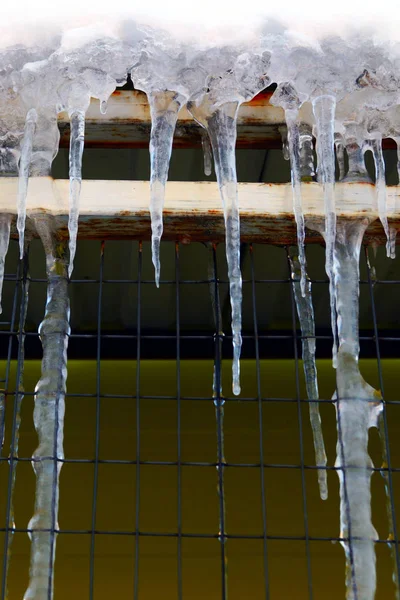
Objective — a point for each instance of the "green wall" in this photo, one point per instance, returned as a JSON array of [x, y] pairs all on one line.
[[201, 566]]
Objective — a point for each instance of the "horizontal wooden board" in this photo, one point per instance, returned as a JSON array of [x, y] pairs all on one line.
[[193, 211], [127, 123]]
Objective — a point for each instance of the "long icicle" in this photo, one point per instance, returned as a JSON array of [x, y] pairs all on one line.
[[220, 122], [324, 112], [5, 225], [385, 460], [164, 108], [291, 116], [49, 416], [380, 185], [216, 311], [24, 165], [305, 312], [393, 230], [358, 407], [76, 144]]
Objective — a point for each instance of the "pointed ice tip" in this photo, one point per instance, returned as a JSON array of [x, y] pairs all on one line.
[[236, 389], [324, 494], [21, 247], [391, 248]]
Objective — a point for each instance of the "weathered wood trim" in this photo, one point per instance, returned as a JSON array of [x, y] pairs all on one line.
[[119, 209]]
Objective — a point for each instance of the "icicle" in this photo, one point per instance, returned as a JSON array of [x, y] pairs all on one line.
[[286, 96], [25, 161], [285, 145], [306, 152], [392, 241], [207, 154], [324, 112], [371, 256], [305, 312], [45, 143], [355, 153], [393, 230], [49, 415], [358, 407], [76, 144], [291, 116], [339, 146], [380, 184], [220, 122], [5, 224], [164, 108]]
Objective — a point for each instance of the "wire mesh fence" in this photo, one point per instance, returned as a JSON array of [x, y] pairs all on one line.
[[170, 484]]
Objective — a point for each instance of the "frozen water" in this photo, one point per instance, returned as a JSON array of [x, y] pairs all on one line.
[[5, 223], [350, 81], [26, 154], [306, 152], [164, 108], [167, 89], [286, 96], [239, 80], [207, 154], [48, 415], [305, 312], [376, 146], [339, 83], [324, 112], [77, 140], [358, 407], [220, 122]]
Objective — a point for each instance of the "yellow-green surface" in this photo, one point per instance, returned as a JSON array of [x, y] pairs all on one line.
[[201, 567]]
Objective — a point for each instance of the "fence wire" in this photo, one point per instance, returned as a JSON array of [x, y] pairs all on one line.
[[181, 569]]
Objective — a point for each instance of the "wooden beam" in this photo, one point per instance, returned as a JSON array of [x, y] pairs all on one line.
[[127, 123], [193, 212]]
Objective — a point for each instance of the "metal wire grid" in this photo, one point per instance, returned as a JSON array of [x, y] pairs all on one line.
[[22, 280]]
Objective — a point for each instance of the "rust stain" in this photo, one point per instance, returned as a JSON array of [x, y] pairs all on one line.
[[261, 98], [125, 213]]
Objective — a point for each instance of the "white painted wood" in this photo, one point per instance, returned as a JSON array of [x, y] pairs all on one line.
[[194, 207]]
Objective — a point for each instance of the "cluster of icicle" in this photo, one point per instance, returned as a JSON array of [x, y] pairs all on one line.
[[343, 93]]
